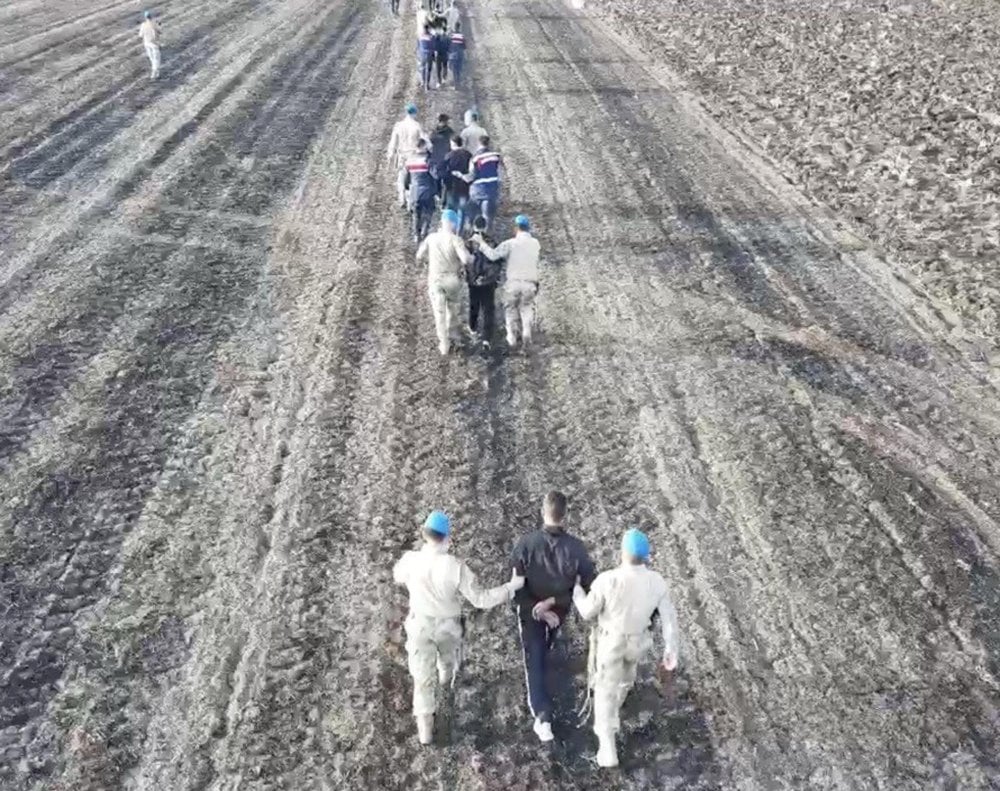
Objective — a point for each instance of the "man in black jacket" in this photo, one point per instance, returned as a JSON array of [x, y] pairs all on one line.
[[440, 148], [482, 275], [551, 560], [457, 188]]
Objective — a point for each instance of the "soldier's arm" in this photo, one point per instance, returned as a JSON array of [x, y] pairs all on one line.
[[399, 571], [393, 142], [422, 251], [462, 251], [589, 605], [668, 623], [477, 596], [497, 253]]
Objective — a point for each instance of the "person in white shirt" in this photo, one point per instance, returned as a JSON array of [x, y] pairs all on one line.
[[403, 144], [150, 34], [447, 258], [452, 15], [437, 582], [473, 132], [624, 601], [423, 17], [522, 254]]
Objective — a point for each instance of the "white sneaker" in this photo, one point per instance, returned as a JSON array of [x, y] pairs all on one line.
[[443, 348], [425, 728], [607, 755], [543, 730]]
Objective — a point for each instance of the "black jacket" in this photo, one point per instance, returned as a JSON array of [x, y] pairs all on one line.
[[482, 271], [440, 148], [551, 562], [458, 161]]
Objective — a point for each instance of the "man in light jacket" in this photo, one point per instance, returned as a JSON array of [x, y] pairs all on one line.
[[437, 582], [447, 258], [522, 253], [406, 135], [623, 601]]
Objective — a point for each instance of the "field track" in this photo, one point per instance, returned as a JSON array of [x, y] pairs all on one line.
[[222, 413]]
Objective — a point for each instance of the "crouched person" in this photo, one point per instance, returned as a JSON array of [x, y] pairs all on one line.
[[437, 582]]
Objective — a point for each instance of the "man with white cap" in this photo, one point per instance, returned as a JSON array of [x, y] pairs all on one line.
[[624, 601], [406, 136], [447, 258], [437, 582], [522, 254]]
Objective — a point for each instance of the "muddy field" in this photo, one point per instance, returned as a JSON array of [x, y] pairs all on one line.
[[886, 110], [222, 414]]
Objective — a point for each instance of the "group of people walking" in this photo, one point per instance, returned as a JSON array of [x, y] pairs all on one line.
[[551, 574], [440, 44], [460, 174]]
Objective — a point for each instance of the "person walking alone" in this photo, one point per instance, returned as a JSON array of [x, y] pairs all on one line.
[[437, 582], [623, 601], [447, 258], [522, 254], [551, 561], [149, 32]]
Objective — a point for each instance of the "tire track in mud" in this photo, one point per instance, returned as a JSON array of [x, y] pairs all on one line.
[[601, 484], [101, 491], [299, 647], [79, 134], [58, 350], [645, 200]]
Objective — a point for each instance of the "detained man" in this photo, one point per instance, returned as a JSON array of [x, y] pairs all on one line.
[[551, 560]]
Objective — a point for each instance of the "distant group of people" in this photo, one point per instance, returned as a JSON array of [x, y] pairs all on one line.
[[440, 44], [551, 573], [460, 174]]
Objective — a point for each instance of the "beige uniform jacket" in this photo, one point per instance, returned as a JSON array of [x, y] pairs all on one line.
[[446, 255], [437, 583], [471, 136], [522, 254], [623, 601], [406, 135], [148, 32]]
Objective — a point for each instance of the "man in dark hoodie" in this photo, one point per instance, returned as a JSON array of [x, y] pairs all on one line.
[[552, 561], [482, 275], [440, 148]]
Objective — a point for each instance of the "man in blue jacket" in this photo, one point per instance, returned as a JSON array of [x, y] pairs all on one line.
[[423, 189], [484, 176], [426, 50], [552, 561]]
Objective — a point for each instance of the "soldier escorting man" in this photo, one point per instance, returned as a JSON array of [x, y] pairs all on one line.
[[446, 258], [437, 582], [551, 571]]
